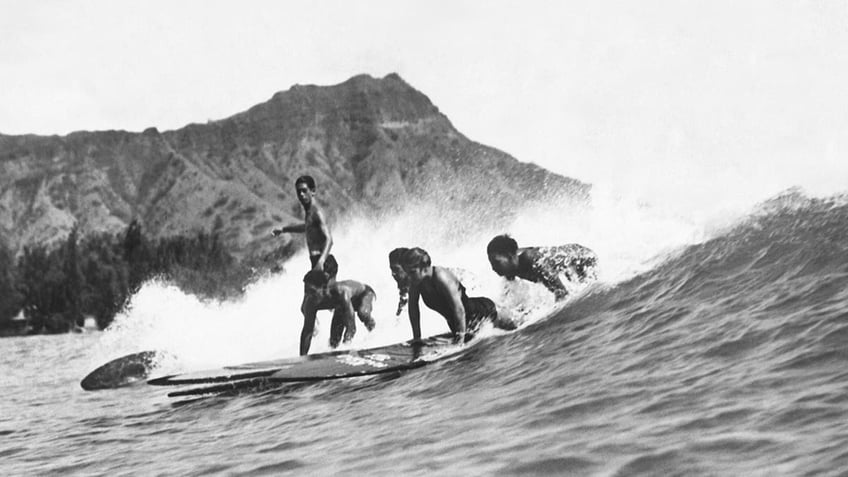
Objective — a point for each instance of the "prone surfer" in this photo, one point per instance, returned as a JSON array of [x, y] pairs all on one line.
[[443, 293], [345, 298], [545, 265], [319, 241]]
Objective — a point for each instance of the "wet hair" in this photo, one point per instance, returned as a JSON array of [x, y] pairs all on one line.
[[502, 245], [316, 278], [395, 258], [396, 255], [415, 258], [308, 180], [331, 266]]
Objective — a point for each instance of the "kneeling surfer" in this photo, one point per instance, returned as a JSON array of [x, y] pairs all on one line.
[[345, 298]]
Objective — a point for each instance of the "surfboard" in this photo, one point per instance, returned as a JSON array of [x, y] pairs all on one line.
[[223, 388], [123, 371], [323, 366]]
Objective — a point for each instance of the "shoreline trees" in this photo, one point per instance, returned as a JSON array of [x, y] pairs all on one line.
[[96, 275]]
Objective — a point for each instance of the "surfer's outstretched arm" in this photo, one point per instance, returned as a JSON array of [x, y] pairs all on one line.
[[308, 328], [414, 314], [554, 284], [293, 228], [447, 286], [346, 308], [337, 327]]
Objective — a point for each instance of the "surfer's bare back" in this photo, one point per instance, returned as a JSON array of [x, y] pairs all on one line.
[[441, 291], [546, 265], [319, 241], [345, 298]]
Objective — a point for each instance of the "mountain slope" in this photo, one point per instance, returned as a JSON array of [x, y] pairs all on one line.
[[374, 146]]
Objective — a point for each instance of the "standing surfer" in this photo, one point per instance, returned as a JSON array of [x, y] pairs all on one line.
[[546, 265], [318, 237]]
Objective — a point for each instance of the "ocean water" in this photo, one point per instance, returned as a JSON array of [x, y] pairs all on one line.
[[705, 349]]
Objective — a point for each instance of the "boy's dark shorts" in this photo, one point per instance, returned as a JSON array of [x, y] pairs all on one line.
[[331, 266], [477, 310]]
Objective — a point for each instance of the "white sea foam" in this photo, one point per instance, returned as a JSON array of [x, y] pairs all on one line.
[[266, 322]]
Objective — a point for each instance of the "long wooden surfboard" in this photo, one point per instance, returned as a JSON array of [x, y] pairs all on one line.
[[324, 366]]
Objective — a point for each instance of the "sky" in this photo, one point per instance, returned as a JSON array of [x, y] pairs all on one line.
[[690, 105]]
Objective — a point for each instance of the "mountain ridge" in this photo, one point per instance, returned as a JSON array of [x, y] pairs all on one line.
[[374, 146]]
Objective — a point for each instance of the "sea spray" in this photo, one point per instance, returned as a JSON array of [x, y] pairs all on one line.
[[265, 322], [726, 359]]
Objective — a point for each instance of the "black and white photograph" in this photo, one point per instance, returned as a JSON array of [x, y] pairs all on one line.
[[424, 238]]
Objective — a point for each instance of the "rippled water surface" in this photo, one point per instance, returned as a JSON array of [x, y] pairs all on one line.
[[728, 358]]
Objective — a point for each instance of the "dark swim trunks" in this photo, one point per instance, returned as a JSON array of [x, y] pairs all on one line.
[[331, 266], [477, 310]]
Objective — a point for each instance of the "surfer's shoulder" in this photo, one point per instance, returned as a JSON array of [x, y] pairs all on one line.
[[443, 273], [444, 279], [315, 213], [352, 287], [566, 252]]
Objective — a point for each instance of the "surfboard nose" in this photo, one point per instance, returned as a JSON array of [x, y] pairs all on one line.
[[122, 371]]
